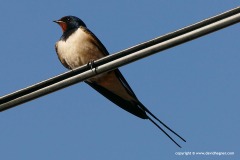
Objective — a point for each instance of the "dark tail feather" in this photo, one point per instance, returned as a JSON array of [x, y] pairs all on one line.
[[150, 113], [164, 132]]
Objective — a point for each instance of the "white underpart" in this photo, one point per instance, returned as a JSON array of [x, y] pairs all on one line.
[[77, 50]]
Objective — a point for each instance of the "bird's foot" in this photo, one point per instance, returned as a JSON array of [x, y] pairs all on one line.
[[91, 65]]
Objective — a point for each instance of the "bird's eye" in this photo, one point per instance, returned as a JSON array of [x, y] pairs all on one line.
[[68, 20]]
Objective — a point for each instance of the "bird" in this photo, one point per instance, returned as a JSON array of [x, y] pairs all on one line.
[[79, 46]]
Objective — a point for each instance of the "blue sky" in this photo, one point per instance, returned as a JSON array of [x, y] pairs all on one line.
[[194, 87]]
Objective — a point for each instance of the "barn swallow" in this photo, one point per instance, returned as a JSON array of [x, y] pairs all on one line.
[[78, 46]]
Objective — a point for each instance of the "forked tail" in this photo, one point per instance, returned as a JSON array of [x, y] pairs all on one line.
[[150, 113]]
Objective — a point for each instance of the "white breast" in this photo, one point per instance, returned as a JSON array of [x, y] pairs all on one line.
[[78, 50]]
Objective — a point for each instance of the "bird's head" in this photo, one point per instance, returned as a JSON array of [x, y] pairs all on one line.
[[69, 22]]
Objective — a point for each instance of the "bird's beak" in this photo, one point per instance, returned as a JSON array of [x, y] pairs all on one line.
[[62, 24], [57, 21]]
